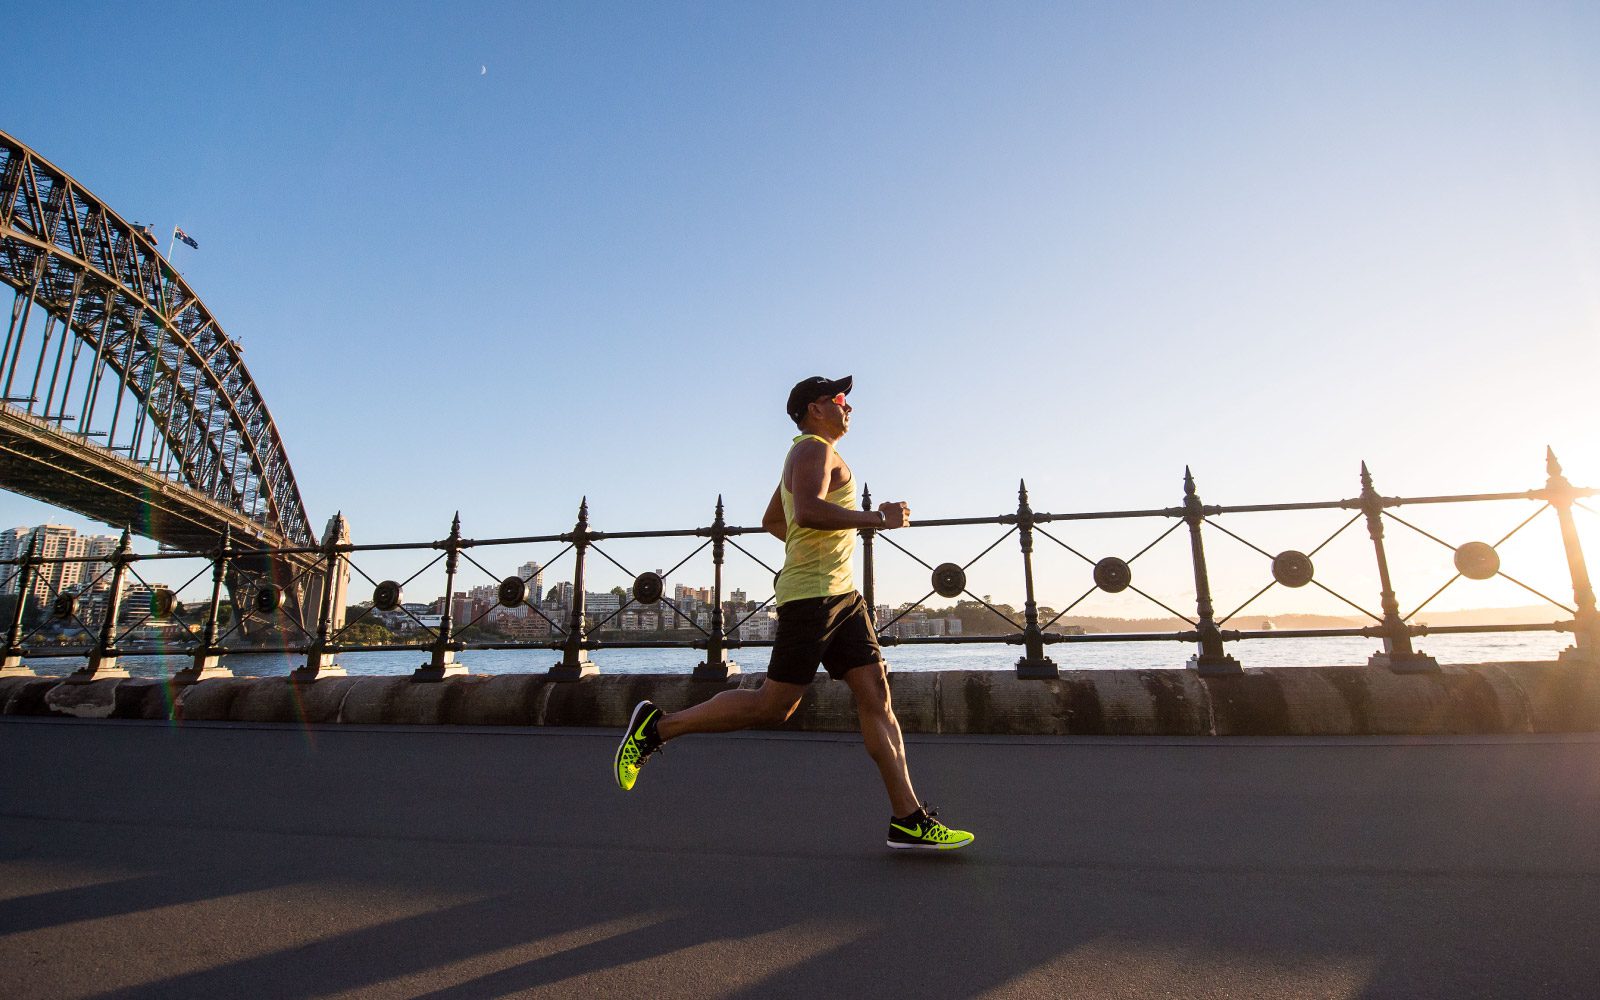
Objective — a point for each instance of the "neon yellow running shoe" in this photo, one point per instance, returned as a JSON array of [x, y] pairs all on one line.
[[921, 832], [638, 743]]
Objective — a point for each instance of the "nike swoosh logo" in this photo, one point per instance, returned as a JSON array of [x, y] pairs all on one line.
[[638, 734], [909, 831]]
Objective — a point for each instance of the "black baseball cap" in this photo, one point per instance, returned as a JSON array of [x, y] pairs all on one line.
[[811, 389]]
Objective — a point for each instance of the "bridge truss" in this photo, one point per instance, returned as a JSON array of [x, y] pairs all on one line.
[[108, 348]]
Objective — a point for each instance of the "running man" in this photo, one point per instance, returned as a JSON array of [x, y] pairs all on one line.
[[822, 619]]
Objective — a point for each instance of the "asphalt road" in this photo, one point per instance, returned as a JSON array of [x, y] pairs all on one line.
[[138, 860]]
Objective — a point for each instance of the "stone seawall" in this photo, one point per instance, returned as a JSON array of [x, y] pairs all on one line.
[[1285, 701]]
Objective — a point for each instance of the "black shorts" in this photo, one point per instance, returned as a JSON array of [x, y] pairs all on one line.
[[833, 631]]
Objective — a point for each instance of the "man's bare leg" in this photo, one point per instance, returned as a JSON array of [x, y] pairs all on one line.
[[769, 704], [880, 730]]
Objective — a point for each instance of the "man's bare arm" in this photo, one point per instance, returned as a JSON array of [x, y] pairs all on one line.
[[812, 465], [773, 520]]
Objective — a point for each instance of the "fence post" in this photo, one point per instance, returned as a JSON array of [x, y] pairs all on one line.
[[103, 659], [11, 653], [717, 666], [574, 665], [1211, 659], [1033, 664], [319, 661], [868, 585], [1585, 646], [207, 657], [442, 659], [1397, 653]]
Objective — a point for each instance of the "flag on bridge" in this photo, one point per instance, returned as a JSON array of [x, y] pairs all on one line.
[[185, 237]]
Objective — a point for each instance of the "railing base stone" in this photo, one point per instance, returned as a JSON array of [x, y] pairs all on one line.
[[309, 674], [443, 664], [429, 673], [1405, 663], [573, 671], [11, 666], [1214, 666], [715, 671], [1572, 654], [205, 668], [1040, 669], [98, 670]]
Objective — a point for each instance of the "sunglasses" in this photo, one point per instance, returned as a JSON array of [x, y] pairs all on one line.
[[838, 399]]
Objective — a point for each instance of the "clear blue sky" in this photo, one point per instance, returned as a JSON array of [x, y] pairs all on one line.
[[492, 258]]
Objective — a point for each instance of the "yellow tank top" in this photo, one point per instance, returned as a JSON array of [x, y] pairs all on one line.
[[816, 563]]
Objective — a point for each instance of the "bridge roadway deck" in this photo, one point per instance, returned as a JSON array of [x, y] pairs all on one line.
[[137, 860], [39, 460]]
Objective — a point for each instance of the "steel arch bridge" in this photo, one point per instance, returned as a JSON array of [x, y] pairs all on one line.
[[124, 399]]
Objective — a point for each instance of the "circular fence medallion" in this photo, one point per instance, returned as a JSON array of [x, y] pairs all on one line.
[[64, 606], [647, 588], [268, 599], [1112, 575], [162, 603], [1292, 569], [386, 596], [949, 580], [512, 591], [1477, 561]]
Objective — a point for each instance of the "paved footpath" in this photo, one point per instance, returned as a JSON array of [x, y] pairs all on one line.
[[139, 860]]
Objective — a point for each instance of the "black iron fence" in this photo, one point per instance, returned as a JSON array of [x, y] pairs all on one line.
[[97, 612]]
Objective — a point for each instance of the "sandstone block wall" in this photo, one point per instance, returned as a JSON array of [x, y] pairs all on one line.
[[1286, 701]]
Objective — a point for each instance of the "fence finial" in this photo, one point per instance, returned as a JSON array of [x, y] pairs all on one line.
[[1188, 482], [1551, 466], [1366, 476]]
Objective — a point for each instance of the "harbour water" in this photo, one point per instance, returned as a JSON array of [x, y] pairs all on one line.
[[1288, 652]]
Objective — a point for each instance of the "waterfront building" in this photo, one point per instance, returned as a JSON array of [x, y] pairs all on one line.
[[54, 541], [97, 574], [560, 595], [534, 574], [13, 543], [503, 617], [759, 627], [530, 626], [682, 594]]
